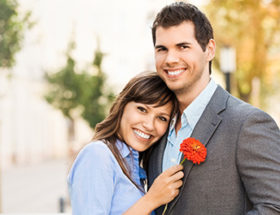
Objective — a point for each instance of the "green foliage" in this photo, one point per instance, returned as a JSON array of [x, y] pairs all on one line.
[[12, 27], [95, 99], [71, 89], [66, 88]]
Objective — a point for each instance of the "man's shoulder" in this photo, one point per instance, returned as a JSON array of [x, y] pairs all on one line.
[[235, 105]]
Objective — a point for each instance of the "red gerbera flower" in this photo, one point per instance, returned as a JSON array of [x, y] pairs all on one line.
[[193, 150]]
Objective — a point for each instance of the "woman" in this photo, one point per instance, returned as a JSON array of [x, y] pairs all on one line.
[[106, 176]]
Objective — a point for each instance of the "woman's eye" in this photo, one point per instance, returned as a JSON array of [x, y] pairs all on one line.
[[162, 118], [142, 109]]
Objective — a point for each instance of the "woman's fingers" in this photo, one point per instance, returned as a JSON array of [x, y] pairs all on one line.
[[172, 170], [177, 176], [173, 174], [174, 186], [166, 186], [178, 184]]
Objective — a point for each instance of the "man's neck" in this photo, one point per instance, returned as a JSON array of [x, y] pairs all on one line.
[[178, 125], [187, 97]]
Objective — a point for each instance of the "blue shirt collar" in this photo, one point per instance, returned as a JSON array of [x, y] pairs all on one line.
[[123, 148], [194, 111], [125, 151]]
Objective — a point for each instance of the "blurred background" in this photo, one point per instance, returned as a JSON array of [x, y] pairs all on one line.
[[63, 61]]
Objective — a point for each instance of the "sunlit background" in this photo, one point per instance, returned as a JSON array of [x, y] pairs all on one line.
[[76, 55]]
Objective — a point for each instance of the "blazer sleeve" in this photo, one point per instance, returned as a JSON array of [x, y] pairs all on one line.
[[258, 162], [91, 181]]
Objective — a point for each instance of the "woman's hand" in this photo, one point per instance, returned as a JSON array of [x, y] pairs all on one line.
[[164, 189], [166, 186]]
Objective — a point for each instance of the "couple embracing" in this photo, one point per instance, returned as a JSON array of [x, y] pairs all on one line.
[[140, 138]]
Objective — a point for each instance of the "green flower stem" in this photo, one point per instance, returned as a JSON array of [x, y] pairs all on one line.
[[165, 208], [183, 161]]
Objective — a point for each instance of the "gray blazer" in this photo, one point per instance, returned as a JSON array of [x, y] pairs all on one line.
[[241, 174]]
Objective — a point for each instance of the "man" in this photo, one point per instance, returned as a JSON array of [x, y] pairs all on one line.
[[241, 173]]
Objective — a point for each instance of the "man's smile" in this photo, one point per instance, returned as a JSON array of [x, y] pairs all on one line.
[[173, 73]]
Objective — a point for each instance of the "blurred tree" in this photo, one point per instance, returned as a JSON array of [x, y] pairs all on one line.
[[96, 97], [65, 88], [12, 27], [253, 28], [72, 91], [65, 91]]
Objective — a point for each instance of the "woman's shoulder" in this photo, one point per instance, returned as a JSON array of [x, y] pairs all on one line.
[[96, 149], [94, 159], [96, 145], [94, 154]]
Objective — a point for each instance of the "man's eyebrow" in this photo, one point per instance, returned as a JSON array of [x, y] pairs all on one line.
[[183, 44], [159, 46]]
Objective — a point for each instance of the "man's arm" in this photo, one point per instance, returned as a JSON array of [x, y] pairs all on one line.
[[258, 162]]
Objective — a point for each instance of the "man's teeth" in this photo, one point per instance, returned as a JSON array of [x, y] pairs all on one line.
[[141, 134], [177, 72]]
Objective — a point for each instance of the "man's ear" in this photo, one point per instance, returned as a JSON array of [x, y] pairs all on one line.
[[211, 48]]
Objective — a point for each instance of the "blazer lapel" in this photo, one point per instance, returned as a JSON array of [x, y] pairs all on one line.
[[204, 129], [160, 152], [155, 160], [155, 164]]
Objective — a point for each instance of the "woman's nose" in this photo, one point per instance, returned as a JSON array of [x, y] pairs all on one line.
[[148, 123]]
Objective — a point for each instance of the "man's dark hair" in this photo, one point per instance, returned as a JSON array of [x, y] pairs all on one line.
[[178, 12]]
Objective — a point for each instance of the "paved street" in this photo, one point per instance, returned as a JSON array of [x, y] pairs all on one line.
[[35, 188]]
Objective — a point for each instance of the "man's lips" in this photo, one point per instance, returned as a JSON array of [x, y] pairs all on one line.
[[174, 72]]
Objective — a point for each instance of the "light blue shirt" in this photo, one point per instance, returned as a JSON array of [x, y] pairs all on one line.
[[97, 185], [189, 118]]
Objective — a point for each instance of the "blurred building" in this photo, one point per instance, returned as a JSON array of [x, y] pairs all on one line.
[[30, 129]]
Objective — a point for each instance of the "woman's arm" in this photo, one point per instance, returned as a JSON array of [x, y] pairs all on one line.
[[164, 189], [91, 182]]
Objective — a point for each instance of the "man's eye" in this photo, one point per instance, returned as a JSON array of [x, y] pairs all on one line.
[[142, 109], [184, 47]]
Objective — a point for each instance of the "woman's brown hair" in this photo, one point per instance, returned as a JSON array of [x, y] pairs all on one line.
[[146, 88]]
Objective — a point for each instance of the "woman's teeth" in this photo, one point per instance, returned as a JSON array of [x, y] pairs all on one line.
[[141, 134]]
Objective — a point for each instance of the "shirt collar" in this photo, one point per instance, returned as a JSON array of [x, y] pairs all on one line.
[[173, 122], [194, 111], [123, 148]]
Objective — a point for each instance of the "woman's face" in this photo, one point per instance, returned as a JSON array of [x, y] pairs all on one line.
[[142, 124]]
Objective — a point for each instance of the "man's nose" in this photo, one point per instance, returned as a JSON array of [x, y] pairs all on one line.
[[172, 57]]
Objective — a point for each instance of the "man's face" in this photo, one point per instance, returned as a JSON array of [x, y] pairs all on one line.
[[180, 60]]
